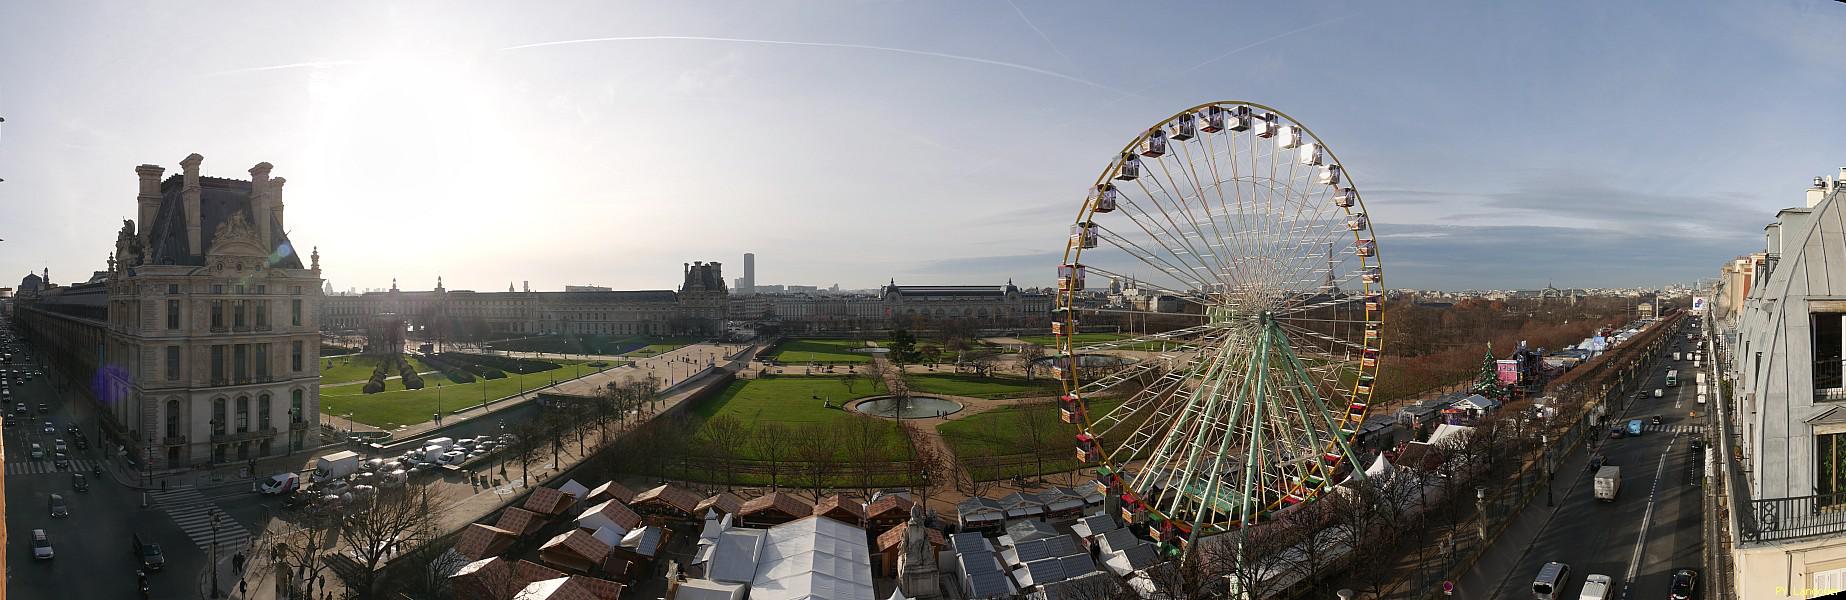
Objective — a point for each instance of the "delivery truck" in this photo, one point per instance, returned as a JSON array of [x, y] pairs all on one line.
[[336, 465], [1608, 482]]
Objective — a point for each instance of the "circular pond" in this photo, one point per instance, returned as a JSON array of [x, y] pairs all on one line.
[[1089, 360], [915, 407]]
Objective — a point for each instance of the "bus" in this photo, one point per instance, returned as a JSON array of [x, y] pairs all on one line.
[[1672, 378]]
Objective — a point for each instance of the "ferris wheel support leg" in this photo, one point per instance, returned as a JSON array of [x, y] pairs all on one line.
[[1256, 431], [1345, 447]]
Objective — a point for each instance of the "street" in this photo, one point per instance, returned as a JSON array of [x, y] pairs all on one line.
[[94, 551], [1654, 525]]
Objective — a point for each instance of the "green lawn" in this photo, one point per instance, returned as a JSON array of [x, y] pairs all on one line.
[[347, 368], [1007, 431], [805, 351], [983, 387], [796, 402], [398, 406]]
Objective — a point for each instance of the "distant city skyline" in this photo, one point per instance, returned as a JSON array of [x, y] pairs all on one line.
[[928, 142]]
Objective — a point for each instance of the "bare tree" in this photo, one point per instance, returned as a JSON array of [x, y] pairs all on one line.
[[1251, 558], [1309, 526], [391, 523], [927, 466], [818, 448], [850, 378], [726, 434], [867, 445], [1028, 358], [772, 443], [527, 443], [1039, 430]]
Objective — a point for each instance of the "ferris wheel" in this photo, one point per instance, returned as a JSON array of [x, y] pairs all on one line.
[[1241, 241]]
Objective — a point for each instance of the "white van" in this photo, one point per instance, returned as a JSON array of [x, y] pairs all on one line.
[[1596, 587], [1659, 393], [441, 441], [1549, 585]]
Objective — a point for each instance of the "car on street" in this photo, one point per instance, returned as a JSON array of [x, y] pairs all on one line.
[[59, 509], [333, 488], [43, 408], [151, 557], [61, 461], [1656, 419], [50, 429], [37, 450], [1685, 582], [41, 544], [1698, 443], [79, 482], [1597, 461]]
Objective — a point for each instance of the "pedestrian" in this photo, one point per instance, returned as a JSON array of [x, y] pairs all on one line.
[[237, 563], [163, 484], [243, 588]]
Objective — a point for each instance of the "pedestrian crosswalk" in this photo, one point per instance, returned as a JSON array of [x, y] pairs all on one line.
[[192, 511], [1676, 428], [41, 467]]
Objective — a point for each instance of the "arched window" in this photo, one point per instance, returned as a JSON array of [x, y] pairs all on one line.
[[172, 418], [218, 416], [262, 412], [243, 414], [294, 407]]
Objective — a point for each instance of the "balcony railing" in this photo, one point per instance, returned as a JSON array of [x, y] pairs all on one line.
[[173, 440], [1791, 518]]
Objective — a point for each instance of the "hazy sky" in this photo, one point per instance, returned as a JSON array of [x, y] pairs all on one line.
[[1499, 144]]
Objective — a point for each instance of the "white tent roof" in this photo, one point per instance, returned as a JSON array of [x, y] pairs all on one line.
[[576, 490], [816, 558], [1446, 431], [702, 589], [1380, 468]]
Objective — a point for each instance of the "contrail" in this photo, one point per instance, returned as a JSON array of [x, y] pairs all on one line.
[[1266, 40], [1042, 36], [700, 38], [299, 65]]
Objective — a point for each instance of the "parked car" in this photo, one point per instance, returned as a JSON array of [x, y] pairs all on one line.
[[335, 487], [41, 545]]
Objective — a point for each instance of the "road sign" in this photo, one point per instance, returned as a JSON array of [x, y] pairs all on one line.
[[1448, 588]]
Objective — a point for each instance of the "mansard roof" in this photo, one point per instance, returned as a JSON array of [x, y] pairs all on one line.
[[219, 199]]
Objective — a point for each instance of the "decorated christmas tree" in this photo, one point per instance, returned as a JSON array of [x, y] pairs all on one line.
[[1488, 382]]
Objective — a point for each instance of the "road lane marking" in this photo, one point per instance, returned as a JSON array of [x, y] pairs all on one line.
[[1640, 543]]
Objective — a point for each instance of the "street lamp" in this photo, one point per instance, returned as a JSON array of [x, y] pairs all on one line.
[[1544, 441], [214, 566]]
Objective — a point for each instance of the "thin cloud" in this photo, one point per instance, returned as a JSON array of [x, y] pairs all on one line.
[[927, 53]]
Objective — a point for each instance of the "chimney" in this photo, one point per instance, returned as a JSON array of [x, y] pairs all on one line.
[[259, 203], [275, 206], [148, 201], [190, 195]]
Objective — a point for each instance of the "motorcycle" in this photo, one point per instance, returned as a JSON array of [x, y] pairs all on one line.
[[142, 576], [96, 470]]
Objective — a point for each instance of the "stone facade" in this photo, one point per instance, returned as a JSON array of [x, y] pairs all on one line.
[[697, 308], [203, 328]]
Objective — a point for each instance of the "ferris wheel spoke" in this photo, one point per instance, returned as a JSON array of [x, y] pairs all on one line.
[[1177, 196], [1169, 239], [1184, 274], [1187, 234], [1178, 336], [1188, 296]]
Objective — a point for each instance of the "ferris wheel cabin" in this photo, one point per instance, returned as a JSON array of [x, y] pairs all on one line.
[[1183, 128], [1130, 169], [1155, 144], [1289, 138], [1102, 198], [1083, 235], [1345, 198]]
